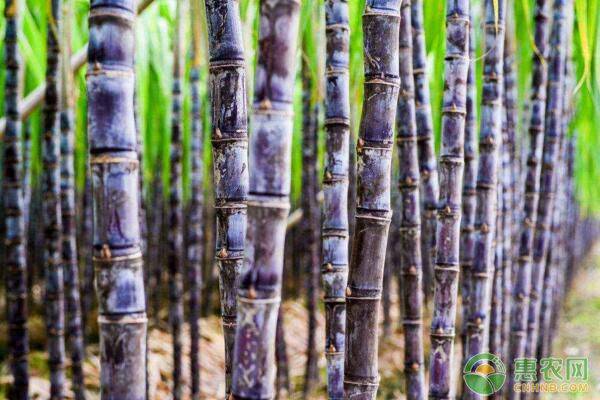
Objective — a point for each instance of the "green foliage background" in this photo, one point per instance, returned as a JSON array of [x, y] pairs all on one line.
[[154, 65]]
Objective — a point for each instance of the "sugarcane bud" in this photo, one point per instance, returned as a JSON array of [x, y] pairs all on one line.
[[484, 228], [105, 252], [440, 330], [412, 270], [265, 104], [415, 366], [329, 267], [348, 291], [223, 253], [97, 66], [218, 132], [409, 181], [251, 293], [361, 142], [332, 348], [328, 175], [447, 209], [478, 321]]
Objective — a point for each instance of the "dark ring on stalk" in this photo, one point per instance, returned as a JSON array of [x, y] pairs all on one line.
[[446, 267], [107, 159], [104, 11], [271, 300], [337, 71], [212, 65], [133, 256], [337, 121], [111, 73], [138, 318]]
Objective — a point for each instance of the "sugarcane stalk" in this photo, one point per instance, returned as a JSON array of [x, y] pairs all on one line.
[[381, 27], [310, 226], [410, 217], [175, 236], [522, 279], [429, 186], [114, 166], [14, 262], [335, 223], [548, 180], [73, 325], [469, 190], [268, 205], [282, 383], [510, 180], [55, 312], [497, 272], [230, 146], [490, 141], [195, 249], [451, 165], [26, 173]]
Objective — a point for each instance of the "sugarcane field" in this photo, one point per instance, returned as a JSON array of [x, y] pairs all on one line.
[[299, 199]]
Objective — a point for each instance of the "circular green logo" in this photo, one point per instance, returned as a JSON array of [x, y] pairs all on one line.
[[484, 374]]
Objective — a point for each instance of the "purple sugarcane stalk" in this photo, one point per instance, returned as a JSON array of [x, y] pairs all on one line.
[[230, 149], [55, 315], [497, 272], [15, 261], [381, 27], [549, 173], [510, 180], [114, 167], [520, 291], [410, 216], [259, 293], [73, 325], [451, 166], [175, 234], [195, 245], [556, 255], [428, 168], [469, 199], [335, 189], [490, 140], [311, 221]]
